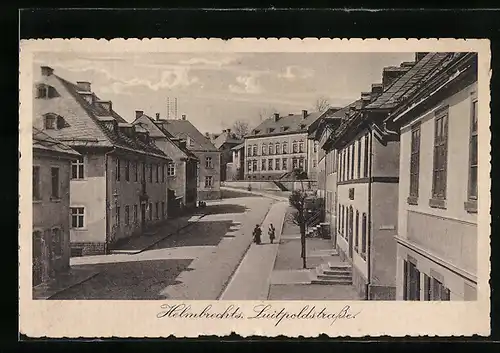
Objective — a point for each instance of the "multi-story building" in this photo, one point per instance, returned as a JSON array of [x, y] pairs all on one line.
[[224, 143], [236, 169], [118, 183], [181, 174], [279, 145], [51, 206], [438, 193], [209, 156]]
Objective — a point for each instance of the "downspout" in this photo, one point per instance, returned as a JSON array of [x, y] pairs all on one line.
[[369, 221], [107, 198]]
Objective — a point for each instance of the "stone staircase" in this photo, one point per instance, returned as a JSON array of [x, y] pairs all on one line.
[[332, 274]]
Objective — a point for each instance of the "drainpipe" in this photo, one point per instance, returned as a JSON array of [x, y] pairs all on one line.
[[369, 220], [107, 198], [389, 132]]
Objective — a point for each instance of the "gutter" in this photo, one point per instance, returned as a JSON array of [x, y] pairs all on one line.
[[107, 198]]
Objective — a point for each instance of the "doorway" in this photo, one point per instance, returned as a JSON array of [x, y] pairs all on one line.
[[143, 215]]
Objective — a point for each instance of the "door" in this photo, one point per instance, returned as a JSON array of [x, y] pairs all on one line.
[[143, 214], [350, 231]]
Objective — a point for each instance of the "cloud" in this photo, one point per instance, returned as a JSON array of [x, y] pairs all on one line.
[[293, 72], [178, 77], [208, 62], [246, 84]]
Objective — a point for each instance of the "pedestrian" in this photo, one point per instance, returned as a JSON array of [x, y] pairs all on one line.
[[272, 233], [257, 232]]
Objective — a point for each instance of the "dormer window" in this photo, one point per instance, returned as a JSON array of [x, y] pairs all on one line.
[[302, 126], [53, 122], [190, 141], [271, 130], [256, 132], [45, 91], [285, 128]]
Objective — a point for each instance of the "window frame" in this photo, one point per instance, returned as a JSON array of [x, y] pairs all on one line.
[[284, 163], [77, 215], [209, 162], [438, 199], [76, 164], [171, 169], [117, 169], [127, 170], [415, 141], [127, 215], [471, 203], [211, 183], [55, 196], [277, 165]]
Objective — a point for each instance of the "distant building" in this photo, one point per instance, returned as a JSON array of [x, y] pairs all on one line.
[[278, 146], [51, 206], [182, 171], [224, 143], [236, 169], [208, 155], [437, 234], [118, 184]]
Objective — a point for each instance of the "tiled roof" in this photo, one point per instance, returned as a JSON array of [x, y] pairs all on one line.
[[42, 141], [238, 147], [292, 122], [409, 82], [84, 120], [183, 129], [225, 137]]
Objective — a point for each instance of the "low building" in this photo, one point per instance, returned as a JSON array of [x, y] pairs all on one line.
[[182, 171], [209, 157], [279, 145], [51, 206], [236, 169], [437, 239], [118, 184], [224, 142]]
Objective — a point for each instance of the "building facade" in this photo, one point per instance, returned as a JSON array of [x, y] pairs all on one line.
[[236, 169], [437, 233], [224, 143], [118, 183], [181, 173], [51, 207], [278, 146], [209, 167]]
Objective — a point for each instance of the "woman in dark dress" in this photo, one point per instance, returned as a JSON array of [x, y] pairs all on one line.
[[257, 232]]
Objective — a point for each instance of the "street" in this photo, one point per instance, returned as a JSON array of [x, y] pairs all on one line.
[[195, 263]]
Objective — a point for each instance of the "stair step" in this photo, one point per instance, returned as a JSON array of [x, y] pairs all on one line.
[[335, 266], [330, 282], [335, 277]]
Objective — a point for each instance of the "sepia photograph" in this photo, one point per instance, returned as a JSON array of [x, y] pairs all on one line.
[[293, 176]]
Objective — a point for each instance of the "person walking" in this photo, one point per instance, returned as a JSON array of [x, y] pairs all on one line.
[[272, 233], [257, 232]]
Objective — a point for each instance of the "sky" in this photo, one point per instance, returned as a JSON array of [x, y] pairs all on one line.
[[216, 89]]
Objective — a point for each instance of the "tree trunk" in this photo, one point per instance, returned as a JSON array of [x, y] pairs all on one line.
[[303, 243]]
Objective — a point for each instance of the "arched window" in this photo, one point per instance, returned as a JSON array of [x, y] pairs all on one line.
[[271, 148], [277, 148], [285, 148], [294, 147]]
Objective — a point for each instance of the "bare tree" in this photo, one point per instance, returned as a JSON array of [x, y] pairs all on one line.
[[298, 201], [265, 113], [322, 104], [240, 128]]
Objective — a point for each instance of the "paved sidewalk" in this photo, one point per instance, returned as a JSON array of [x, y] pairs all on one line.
[[144, 242], [275, 195], [252, 277], [64, 281]]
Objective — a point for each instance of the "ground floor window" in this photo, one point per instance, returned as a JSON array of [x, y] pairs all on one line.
[[411, 281], [127, 215], [157, 209], [135, 213], [77, 217], [162, 210], [435, 290], [150, 211], [209, 181]]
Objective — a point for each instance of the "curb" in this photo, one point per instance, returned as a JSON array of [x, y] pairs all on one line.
[[277, 251]]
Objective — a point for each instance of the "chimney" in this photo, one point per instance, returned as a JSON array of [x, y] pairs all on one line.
[[46, 70], [419, 56], [138, 113], [290, 114], [228, 131], [107, 105], [276, 116], [365, 98], [83, 86], [223, 131], [408, 64], [183, 116], [157, 116], [391, 74], [304, 114]]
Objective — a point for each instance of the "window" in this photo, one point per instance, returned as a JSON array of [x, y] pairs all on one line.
[[150, 172], [473, 153], [339, 223], [294, 147], [77, 169], [301, 146], [255, 167], [277, 148], [294, 163], [315, 147], [356, 238], [150, 211], [314, 163], [163, 173], [271, 148], [254, 150], [157, 179], [127, 171], [344, 165], [363, 235], [57, 246], [50, 122], [157, 209], [135, 214], [270, 164], [285, 164], [42, 91], [277, 164], [208, 162], [301, 163], [414, 163], [352, 149], [77, 217], [162, 210], [117, 169], [209, 181], [127, 215], [440, 156], [171, 169], [285, 128], [263, 164], [36, 183], [365, 168], [55, 182], [264, 150], [411, 284], [117, 216], [143, 172], [190, 142], [435, 290], [249, 167], [134, 167], [285, 148], [359, 159]]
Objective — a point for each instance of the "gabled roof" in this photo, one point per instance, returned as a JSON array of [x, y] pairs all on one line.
[[292, 122], [42, 141], [225, 137], [86, 122], [412, 80], [238, 147], [184, 129]]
